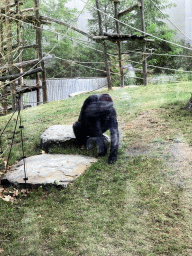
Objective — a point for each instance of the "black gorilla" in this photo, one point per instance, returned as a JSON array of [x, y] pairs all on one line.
[[96, 117]]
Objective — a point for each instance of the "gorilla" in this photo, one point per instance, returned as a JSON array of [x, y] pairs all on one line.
[[96, 117]]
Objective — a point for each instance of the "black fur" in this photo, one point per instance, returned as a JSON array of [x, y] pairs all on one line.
[[96, 117]]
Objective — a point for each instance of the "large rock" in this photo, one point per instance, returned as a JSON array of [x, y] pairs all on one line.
[[57, 135], [49, 169], [61, 135]]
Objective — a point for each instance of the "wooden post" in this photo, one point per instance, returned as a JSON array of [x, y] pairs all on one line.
[[9, 51], [104, 47], [119, 45], [3, 89], [145, 80], [40, 54], [20, 80]]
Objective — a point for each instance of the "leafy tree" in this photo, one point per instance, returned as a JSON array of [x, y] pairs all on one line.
[[155, 25], [56, 38]]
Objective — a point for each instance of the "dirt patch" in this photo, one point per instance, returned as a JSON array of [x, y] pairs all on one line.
[[152, 136], [148, 126], [155, 138]]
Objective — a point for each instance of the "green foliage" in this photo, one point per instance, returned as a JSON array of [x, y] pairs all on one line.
[[155, 25]]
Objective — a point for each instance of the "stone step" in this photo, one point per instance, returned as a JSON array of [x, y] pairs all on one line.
[[49, 169]]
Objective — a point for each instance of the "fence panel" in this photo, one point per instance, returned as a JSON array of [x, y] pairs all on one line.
[[59, 89]]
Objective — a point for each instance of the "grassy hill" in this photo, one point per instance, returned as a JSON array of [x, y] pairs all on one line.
[[138, 206]]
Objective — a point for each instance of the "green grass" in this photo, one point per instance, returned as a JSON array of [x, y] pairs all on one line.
[[118, 209]]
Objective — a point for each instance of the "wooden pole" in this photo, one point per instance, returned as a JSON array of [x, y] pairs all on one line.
[[20, 80], [119, 45], [9, 52], [145, 80], [14, 76], [3, 89], [40, 54], [107, 67], [130, 9]]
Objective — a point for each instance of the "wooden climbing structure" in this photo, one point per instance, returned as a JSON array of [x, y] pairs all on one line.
[[12, 70], [118, 37]]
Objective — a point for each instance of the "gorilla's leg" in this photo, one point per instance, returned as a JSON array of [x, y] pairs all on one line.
[[79, 133], [114, 132]]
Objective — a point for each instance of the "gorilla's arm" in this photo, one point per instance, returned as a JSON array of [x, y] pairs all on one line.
[[90, 100]]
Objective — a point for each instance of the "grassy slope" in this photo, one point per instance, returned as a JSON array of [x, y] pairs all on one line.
[[113, 209]]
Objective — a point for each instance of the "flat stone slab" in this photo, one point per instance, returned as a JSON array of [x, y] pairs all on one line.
[[55, 169], [59, 135]]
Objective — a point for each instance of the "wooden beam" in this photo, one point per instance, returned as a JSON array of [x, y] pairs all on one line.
[[14, 46], [44, 18], [27, 10], [22, 46], [20, 64], [28, 46], [130, 9], [10, 6], [24, 89], [25, 18], [29, 18], [116, 1], [15, 76], [116, 37], [141, 70]]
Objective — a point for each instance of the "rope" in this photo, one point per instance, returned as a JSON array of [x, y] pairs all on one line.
[[13, 137], [22, 144], [171, 69], [12, 142], [147, 34], [4, 130], [48, 52]]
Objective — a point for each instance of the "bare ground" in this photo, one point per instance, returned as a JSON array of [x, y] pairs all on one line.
[[158, 139]]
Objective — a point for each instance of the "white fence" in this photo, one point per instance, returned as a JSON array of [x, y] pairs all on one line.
[[61, 88]]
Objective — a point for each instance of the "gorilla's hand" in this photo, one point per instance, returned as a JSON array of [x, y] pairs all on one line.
[[112, 158], [101, 143]]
